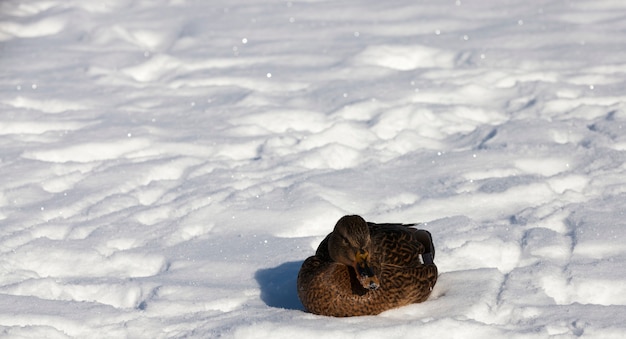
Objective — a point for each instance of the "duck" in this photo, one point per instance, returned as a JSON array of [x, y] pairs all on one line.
[[364, 268]]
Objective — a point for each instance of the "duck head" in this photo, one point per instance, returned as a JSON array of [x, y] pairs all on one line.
[[350, 244]]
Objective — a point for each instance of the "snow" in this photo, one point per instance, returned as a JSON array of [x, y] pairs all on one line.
[[167, 165]]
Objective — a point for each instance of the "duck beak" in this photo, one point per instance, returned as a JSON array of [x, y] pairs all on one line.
[[364, 271]]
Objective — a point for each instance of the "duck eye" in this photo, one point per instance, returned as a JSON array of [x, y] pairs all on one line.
[[344, 240]]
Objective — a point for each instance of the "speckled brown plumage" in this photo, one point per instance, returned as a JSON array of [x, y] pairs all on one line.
[[401, 258]]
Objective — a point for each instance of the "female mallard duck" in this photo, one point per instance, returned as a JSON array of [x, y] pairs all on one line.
[[363, 268]]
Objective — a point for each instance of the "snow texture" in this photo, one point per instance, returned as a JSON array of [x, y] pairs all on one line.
[[167, 165]]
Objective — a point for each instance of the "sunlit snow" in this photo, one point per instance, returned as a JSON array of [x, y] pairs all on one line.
[[167, 165]]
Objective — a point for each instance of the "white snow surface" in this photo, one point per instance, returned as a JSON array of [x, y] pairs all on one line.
[[167, 165]]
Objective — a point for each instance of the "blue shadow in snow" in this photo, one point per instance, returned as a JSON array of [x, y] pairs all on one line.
[[278, 285]]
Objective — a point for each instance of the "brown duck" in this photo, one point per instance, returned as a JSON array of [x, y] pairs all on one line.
[[363, 268]]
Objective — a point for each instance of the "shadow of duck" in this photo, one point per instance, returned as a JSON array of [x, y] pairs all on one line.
[[278, 285]]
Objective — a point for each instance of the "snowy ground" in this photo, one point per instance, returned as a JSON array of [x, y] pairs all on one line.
[[166, 165]]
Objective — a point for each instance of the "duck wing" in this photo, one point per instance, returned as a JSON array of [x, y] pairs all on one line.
[[402, 245]]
